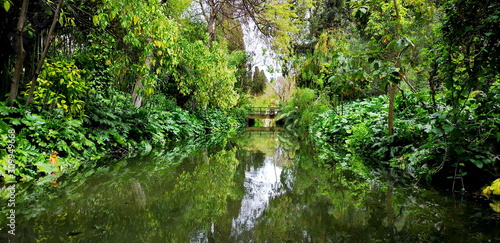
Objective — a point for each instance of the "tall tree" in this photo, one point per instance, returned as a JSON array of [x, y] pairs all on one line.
[[21, 53], [274, 18], [392, 85], [259, 82], [148, 37]]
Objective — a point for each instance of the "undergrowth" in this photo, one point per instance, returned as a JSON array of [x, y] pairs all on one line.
[[425, 142], [111, 127]]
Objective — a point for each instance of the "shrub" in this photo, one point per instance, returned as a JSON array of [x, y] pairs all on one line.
[[302, 109]]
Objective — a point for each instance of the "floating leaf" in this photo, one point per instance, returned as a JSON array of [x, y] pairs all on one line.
[[494, 188]]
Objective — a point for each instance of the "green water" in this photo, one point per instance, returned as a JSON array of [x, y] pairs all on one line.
[[260, 187]]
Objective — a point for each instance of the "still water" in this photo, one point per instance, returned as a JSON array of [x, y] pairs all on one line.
[[260, 187]]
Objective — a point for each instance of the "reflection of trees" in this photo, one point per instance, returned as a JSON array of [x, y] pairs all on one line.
[[205, 191], [250, 158], [333, 203], [139, 200], [189, 193]]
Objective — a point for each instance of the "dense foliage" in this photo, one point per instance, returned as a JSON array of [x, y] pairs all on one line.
[[411, 84], [112, 127], [408, 84], [116, 77], [400, 89]]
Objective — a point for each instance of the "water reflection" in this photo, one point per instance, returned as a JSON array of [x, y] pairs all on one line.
[[260, 187]]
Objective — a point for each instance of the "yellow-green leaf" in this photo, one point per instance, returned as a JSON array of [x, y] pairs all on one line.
[[495, 206], [486, 192], [95, 19], [495, 187], [6, 5]]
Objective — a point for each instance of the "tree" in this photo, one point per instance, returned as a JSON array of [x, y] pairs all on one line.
[[392, 28], [392, 85], [470, 54], [37, 36], [467, 64], [206, 76], [327, 15], [277, 19], [21, 52], [149, 38], [259, 82]]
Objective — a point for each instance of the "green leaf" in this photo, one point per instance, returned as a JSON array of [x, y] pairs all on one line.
[[448, 128], [438, 131], [391, 44], [46, 179], [74, 123], [6, 5], [46, 168], [478, 163], [4, 110]]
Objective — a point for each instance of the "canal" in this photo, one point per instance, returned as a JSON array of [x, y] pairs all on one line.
[[258, 187]]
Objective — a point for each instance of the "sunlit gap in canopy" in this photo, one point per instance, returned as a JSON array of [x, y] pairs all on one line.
[[257, 45], [258, 48]]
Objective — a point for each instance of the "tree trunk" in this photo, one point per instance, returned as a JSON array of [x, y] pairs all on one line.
[[136, 96], [393, 86], [211, 28], [392, 92], [44, 53], [21, 53]]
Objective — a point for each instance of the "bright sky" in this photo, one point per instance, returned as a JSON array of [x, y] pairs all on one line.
[[259, 49]]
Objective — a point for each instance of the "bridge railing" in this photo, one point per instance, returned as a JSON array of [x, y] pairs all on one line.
[[272, 111]]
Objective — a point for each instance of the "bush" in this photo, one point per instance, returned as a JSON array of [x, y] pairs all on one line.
[[302, 109], [111, 126], [424, 141], [362, 129]]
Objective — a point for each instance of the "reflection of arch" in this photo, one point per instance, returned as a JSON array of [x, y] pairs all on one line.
[[264, 130], [250, 122]]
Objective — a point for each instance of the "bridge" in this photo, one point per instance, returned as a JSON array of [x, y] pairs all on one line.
[[263, 112]]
